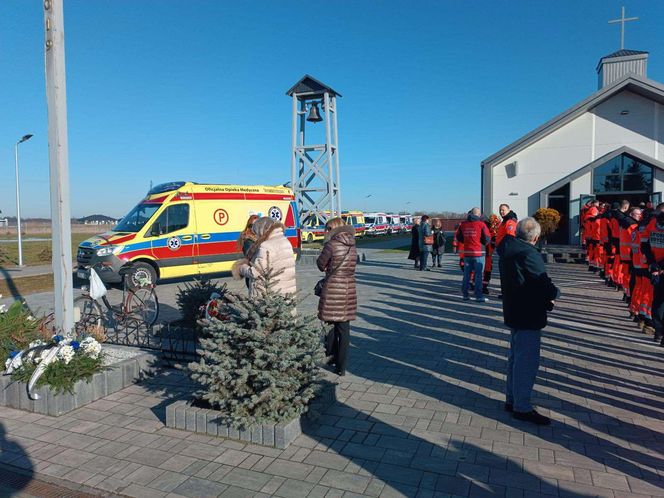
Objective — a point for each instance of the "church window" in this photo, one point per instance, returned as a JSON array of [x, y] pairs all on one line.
[[623, 173]]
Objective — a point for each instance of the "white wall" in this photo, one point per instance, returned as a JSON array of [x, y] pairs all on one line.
[[635, 130], [543, 163]]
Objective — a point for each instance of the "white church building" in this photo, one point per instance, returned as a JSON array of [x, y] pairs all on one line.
[[609, 146]]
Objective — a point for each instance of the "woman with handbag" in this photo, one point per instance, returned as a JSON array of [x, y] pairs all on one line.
[[338, 296], [426, 242]]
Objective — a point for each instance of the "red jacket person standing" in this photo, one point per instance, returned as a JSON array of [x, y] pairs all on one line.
[[474, 235]]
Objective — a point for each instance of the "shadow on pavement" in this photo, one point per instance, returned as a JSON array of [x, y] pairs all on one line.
[[12, 455], [446, 358]]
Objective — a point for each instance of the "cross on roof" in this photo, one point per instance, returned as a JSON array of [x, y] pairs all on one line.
[[622, 22]]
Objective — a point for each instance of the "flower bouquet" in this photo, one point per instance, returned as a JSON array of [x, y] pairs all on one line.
[[31, 356]]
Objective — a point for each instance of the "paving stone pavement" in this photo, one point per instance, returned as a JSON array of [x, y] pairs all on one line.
[[419, 414]]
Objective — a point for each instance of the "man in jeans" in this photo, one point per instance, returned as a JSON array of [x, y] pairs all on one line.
[[528, 294], [474, 235]]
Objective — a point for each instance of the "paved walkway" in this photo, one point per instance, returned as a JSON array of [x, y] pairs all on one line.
[[420, 413]]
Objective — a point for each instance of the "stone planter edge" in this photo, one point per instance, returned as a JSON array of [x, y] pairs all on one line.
[[183, 416], [117, 377]]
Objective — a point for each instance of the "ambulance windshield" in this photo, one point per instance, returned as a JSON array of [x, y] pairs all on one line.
[[137, 218], [369, 219]]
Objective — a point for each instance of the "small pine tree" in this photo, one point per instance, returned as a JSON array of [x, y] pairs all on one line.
[[260, 365]]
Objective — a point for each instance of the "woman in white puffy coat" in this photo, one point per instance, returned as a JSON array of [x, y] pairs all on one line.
[[271, 246]]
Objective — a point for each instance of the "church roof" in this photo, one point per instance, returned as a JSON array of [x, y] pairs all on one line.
[[645, 87], [624, 53], [310, 85]]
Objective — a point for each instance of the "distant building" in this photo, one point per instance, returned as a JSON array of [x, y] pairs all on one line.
[[97, 219], [4, 222], [609, 146]]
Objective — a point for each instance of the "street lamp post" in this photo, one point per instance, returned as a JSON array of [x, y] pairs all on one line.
[[24, 138]]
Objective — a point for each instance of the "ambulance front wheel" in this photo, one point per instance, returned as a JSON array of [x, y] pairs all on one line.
[[141, 274]]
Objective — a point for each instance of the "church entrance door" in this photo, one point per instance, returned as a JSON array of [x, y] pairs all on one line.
[[559, 200]]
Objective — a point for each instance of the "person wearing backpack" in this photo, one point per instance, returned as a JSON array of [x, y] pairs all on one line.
[[338, 297]]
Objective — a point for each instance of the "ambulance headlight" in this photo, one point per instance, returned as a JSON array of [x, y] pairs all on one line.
[[108, 250]]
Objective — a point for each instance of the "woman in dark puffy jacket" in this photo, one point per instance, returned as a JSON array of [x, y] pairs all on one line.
[[338, 299]]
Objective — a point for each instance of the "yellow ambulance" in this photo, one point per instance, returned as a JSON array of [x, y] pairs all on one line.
[[355, 218], [183, 229]]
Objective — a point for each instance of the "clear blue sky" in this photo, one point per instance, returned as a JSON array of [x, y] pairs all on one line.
[[194, 90]]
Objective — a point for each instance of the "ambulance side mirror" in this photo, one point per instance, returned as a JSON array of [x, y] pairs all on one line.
[[155, 231]]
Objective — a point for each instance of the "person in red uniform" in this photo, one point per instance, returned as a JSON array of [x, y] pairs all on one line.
[[643, 278], [603, 220], [629, 235], [652, 245], [492, 223], [624, 250], [508, 225], [638, 305], [616, 270], [602, 236], [457, 247], [582, 225], [474, 235], [591, 232]]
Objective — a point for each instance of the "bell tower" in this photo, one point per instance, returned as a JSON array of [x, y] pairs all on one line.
[[315, 151]]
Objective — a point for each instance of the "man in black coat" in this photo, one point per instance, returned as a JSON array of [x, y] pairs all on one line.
[[528, 295]]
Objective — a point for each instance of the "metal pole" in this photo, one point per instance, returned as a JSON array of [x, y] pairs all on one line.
[[330, 158], [18, 210], [294, 184], [58, 154], [336, 152]]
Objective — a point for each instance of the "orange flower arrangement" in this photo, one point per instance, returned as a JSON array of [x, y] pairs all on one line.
[[494, 223]]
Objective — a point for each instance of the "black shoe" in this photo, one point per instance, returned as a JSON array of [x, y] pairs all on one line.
[[601, 274], [499, 296], [440, 266], [341, 373], [509, 407], [590, 268], [485, 290], [532, 417]]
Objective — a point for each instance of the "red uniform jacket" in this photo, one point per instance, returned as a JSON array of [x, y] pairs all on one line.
[[474, 235], [652, 242], [506, 227], [592, 223]]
